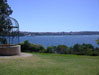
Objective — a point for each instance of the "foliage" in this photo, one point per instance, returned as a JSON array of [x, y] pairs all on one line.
[[61, 49], [28, 47], [70, 50], [3, 41], [5, 22], [51, 49], [78, 49], [84, 49], [97, 41]]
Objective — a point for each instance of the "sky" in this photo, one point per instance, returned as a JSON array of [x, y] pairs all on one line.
[[56, 15]]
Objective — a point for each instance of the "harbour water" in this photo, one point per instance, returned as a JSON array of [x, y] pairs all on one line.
[[68, 40]]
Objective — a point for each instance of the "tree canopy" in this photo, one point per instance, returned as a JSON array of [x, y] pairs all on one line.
[[5, 12], [5, 22]]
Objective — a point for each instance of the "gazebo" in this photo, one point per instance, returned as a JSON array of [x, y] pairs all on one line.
[[9, 38]]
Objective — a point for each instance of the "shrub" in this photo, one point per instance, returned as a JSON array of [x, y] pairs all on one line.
[[84, 49], [70, 50], [61, 49], [28, 47], [51, 49], [97, 50], [94, 53], [76, 48]]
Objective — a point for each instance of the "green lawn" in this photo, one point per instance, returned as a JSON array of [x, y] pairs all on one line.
[[50, 64]]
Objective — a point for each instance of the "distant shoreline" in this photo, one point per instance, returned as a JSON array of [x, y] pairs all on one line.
[[58, 33]]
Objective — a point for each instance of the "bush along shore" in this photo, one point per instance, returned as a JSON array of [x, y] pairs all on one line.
[[78, 49]]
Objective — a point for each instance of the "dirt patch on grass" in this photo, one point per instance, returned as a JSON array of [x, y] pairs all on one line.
[[17, 56]]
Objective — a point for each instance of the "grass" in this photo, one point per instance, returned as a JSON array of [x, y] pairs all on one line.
[[50, 64]]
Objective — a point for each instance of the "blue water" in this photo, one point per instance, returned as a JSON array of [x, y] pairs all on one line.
[[68, 40]]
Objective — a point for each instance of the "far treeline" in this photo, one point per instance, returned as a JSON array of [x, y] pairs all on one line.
[[78, 49]]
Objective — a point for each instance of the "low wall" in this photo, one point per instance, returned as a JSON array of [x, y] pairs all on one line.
[[9, 50]]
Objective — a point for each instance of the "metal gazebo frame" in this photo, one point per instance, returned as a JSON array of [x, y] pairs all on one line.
[[12, 35]]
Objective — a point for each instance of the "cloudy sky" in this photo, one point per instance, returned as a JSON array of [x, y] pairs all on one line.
[[56, 15]]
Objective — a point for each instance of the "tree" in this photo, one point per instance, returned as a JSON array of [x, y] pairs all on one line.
[[5, 22]]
